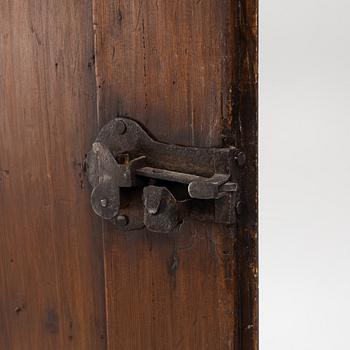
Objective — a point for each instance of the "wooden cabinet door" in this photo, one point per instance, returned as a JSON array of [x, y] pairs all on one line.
[[187, 71]]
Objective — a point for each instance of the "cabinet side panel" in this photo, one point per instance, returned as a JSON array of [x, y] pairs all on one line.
[[245, 129]]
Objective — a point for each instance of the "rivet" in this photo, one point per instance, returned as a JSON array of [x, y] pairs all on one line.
[[240, 158], [104, 203], [122, 220], [120, 127]]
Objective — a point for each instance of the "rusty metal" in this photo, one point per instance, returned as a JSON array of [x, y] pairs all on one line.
[[135, 179], [163, 213], [122, 220]]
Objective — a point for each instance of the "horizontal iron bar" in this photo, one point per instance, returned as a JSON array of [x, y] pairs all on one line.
[[184, 178]]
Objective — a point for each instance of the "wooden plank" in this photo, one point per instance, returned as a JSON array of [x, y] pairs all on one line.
[[178, 68], [245, 130], [51, 266]]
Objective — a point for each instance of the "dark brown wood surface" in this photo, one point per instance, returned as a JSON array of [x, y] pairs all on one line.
[[244, 128], [51, 270], [187, 70]]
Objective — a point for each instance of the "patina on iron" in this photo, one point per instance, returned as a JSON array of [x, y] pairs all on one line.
[[138, 179]]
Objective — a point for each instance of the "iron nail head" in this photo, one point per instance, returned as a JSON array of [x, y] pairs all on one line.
[[240, 158], [120, 127], [122, 220], [104, 203]]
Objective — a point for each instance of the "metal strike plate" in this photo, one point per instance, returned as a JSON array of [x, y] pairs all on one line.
[[137, 181]]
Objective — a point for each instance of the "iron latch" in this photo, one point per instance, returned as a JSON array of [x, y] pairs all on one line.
[[139, 182]]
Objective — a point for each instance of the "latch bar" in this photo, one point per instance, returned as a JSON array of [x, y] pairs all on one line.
[[183, 178]]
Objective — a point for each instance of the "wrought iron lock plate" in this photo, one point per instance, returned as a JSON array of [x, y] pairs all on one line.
[[139, 182]]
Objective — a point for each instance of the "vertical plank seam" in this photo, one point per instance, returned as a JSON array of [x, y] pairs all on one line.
[[95, 28]]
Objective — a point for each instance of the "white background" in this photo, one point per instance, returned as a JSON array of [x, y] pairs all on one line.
[[304, 174]]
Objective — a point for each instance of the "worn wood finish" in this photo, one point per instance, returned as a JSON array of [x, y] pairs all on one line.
[[187, 71], [51, 271], [245, 129]]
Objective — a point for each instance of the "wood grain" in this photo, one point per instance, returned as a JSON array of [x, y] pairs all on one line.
[[187, 71], [245, 129], [51, 267]]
